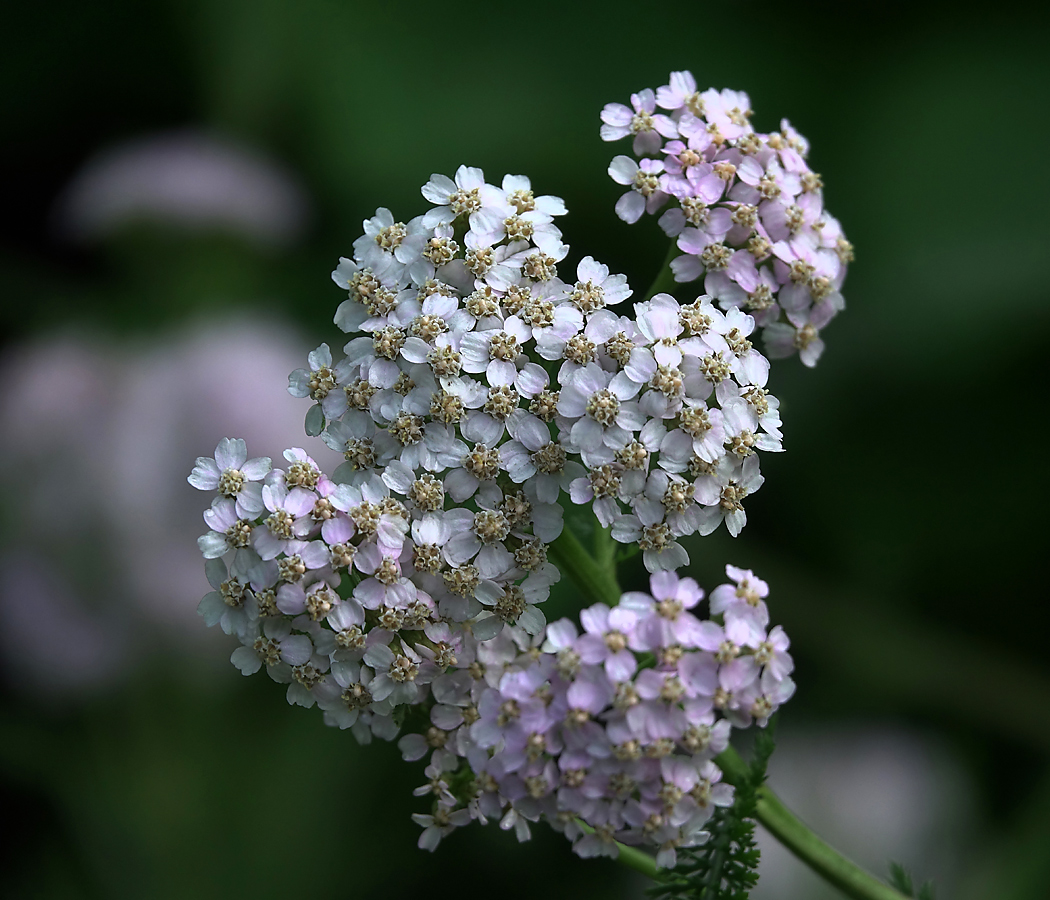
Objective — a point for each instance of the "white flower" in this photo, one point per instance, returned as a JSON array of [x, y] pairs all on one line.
[[737, 480], [642, 121], [597, 411], [274, 646], [233, 475], [466, 196], [389, 246], [646, 193], [230, 604]]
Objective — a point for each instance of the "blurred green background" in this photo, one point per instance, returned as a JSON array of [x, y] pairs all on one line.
[[902, 533]]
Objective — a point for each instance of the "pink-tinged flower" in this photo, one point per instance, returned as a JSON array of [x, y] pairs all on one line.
[[772, 653], [642, 121], [760, 699], [315, 600], [762, 408], [646, 193], [659, 716], [746, 284], [728, 111], [710, 790], [515, 704], [705, 738], [605, 640], [743, 606], [228, 530], [680, 95], [688, 173], [560, 639], [289, 519], [599, 842], [233, 475], [387, 585], [712, 230], [699, 674], [374, 521], [801, 334], [664, 617], [299, 556], [808, 272]]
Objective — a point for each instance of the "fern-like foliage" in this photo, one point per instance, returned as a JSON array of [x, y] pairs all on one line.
[[724, 868], [900, 879]]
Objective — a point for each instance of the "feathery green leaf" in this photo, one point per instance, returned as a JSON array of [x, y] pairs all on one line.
[[725, 867]]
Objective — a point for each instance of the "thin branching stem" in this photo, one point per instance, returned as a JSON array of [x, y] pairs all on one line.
[[664, 281], [595, 577]]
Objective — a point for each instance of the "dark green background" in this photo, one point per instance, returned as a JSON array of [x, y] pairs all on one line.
[[903, 532]]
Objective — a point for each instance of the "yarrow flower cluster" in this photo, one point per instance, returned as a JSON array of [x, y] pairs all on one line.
[[745, 207], [479, 392], [606, 733]]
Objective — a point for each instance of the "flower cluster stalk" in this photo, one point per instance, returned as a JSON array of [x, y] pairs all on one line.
[[595, 576]]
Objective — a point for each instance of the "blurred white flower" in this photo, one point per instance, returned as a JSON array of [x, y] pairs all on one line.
[[189, 179], [101, 524]]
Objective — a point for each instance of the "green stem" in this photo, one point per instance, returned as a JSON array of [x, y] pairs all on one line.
[[629, 856], [637, 860], [598, 582], [809, 847], [605, 550], [664, 281]]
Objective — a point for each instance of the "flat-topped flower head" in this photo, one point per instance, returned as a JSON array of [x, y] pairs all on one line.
[[746, 208]]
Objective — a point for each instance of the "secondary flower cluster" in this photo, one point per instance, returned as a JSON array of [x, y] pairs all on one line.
[[747, 210], [608, 735], [577, 732]]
